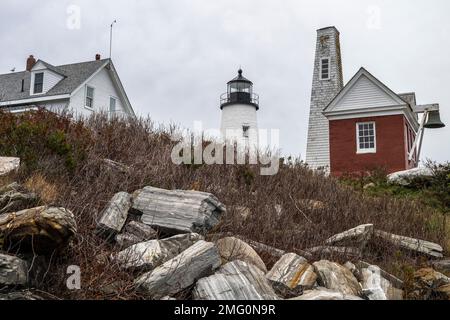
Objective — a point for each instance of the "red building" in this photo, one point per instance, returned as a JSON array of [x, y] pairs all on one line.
[[370, 127]]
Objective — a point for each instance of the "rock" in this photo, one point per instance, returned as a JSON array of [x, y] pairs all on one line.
[[125, 240], [320, 294], [135, 232], [231, 249], [236, 280], [442, 266], [8, 164], [369, 186], [418, 246], [13, 271], [359, 235], [115, 214], [167, 298], [291, 275], [396, 282], [14, 198], [336, 277], [430, 285], [330, 252], [377, 287], [177, 274], [240, 211], [405, 178], [40, 230], [141, 230], [178, 211], [116, 166], [148, 255], [272, 251], [312, 205], [20, 296], [350, 266]]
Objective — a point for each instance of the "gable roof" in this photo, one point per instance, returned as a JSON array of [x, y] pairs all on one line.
[[364, 91], [49, 67], [75, 74]]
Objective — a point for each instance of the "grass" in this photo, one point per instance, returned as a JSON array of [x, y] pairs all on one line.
[[63, 162]]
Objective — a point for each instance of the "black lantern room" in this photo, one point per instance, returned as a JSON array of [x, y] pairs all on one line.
[[239, 91]]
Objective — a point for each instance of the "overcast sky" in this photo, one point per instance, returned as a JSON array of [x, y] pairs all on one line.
[[174, 57]]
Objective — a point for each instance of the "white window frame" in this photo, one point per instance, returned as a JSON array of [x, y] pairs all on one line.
[[34, 82], [115, 104], [366, 150], [329, 68], [86, 96]]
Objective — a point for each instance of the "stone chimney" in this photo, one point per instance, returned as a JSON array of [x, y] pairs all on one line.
[[98, 57], [327, 83], [31, 61]]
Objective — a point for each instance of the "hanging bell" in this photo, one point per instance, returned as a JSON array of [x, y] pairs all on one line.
[[434, 120]]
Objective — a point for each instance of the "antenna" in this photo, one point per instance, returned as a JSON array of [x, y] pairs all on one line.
[[111, 37]]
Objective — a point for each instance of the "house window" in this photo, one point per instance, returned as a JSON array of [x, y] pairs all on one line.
[[90, 97], [325, 69], [38, 83], [366, 137], [245, 131], [112, 105]]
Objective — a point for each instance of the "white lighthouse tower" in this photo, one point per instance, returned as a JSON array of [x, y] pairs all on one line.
[[239, 105]]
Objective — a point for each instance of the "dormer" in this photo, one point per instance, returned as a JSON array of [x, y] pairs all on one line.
[[44, 77]]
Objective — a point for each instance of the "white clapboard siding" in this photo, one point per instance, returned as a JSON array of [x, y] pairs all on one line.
[[50, 80], [364, 94]]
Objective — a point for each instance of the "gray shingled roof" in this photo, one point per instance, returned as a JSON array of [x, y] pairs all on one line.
[[75, 74]]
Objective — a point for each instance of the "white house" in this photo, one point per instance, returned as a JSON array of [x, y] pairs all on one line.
[[81, 88]]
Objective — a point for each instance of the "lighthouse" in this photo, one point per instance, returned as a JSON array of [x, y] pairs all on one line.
[[239, 106]]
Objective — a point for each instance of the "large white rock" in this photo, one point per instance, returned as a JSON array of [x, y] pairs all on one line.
[[291, 274], [377, 287], [404, 178], [332, 275], [8, 164], [325, 294], [115, 214], [236, 280], [178, 211], [231, 249], [150, 254], [13, 271], [177, 274]]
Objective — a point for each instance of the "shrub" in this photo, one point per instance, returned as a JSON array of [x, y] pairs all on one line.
[[85, 185]]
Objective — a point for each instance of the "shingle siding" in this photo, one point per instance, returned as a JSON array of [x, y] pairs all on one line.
[[323, 91]]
